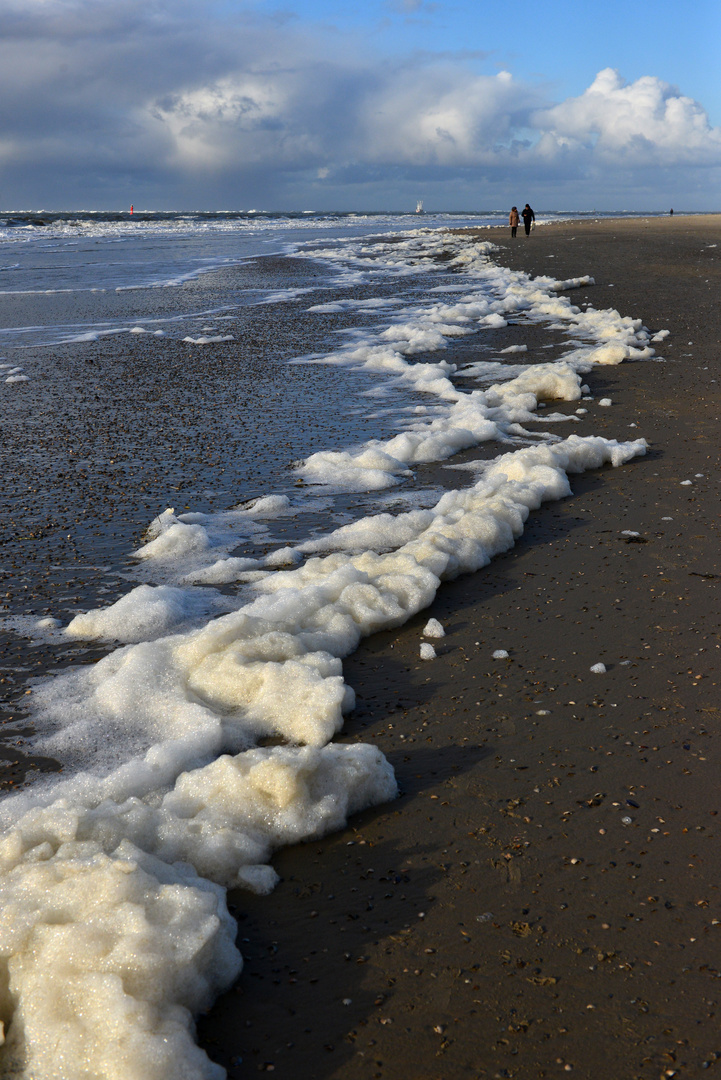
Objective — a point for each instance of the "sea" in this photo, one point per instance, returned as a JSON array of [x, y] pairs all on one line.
[[234, 445]]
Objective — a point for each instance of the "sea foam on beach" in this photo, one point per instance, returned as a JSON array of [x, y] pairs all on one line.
[[115, 932]]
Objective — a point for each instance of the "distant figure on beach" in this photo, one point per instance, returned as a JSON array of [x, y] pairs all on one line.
[[528, 217], [514, 220], [671, 212]]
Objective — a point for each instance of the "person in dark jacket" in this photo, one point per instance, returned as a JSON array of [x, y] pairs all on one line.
[[528, 216]]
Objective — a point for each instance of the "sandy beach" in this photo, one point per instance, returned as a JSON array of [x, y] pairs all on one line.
[[543, 897]]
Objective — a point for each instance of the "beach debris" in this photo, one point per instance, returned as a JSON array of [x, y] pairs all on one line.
[[433, 629], [599, 669], [427, 651], [485, 917], [626, 820], [500, 654], [521, 929]]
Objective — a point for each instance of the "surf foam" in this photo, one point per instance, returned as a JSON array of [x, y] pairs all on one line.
[[114, 931]]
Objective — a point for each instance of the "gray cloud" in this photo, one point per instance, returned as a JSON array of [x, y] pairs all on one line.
[[180, 106]]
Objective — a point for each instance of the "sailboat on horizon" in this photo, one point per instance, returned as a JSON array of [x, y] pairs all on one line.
[[419, 206]]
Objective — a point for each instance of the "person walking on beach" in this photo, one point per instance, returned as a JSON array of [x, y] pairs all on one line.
[[514, 220], [528, 217]]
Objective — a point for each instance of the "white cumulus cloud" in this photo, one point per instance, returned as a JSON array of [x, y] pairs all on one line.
[[638, 123]]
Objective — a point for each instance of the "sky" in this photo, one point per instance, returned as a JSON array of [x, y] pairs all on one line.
[[321, 105]]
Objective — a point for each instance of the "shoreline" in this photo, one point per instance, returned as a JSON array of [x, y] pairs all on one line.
[[457, 930], [500, 918]]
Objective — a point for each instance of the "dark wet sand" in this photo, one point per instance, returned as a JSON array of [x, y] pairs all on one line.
[[500, 919]]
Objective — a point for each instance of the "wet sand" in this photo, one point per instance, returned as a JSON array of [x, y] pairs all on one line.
[[543, 897]]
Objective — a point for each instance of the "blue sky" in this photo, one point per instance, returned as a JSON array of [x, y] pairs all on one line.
[[321, 105], [564, 42]]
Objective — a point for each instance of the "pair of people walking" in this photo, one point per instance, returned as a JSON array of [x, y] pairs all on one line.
[[514, 219]]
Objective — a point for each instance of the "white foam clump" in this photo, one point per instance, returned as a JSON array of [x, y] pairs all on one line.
[[500, 654], [193, 548], [208, 340], [107, 958], [605, 402], [351, 304], [170, 537], [427, 651], [573, 283], [221, 572], [269, 506], [433, 629], [107, 950], [17, 378], [598, 669], [514, 349], [285, 556], [142, 614]]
